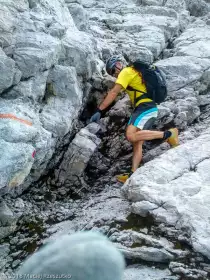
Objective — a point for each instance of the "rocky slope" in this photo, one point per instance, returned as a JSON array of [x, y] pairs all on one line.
[[52, 76]]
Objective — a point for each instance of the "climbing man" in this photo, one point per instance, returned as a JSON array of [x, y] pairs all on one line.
[[144, 114]]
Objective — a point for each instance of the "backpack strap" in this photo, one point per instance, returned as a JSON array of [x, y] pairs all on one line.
[[136, 99], [134, 89]]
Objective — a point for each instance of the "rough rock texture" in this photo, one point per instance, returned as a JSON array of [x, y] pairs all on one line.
[[4, 251], [80, 150], [136, 245], [142, 272], [194, 41], [51, 48], [42, 56], [10, 73], [52, 55], [191, 273], [197, 7], [7, 220], [99, 212], [175, 189], [16, 162]]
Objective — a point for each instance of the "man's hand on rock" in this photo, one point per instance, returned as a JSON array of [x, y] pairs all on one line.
[[96, 116]]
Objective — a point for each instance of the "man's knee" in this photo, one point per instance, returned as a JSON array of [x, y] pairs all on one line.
[[130, 133], [130, 137]]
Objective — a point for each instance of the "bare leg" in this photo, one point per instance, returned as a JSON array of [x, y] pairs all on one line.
[[134, 136], [137, 155]]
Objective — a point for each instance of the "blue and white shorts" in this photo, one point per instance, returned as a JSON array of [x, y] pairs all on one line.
[[144, 116]]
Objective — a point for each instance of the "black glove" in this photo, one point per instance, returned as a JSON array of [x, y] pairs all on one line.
[[96, 116]]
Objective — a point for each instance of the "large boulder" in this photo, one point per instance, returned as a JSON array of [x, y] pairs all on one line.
[[21, 136], [63, 100], [181, 71], [36, 52], [79, 51], [194, 41], [40, 98], [76, 158], [174, 188]]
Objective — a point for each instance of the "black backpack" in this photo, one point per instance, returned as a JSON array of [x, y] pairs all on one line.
[[154, 80]]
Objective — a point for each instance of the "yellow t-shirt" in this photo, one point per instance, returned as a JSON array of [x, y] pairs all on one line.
[[130, 77]]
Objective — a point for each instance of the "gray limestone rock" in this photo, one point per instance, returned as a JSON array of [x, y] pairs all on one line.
[[63, 100], [182, 70], [79, 52], [6, 215], [187, 111], [80, 16], [43, 46], [9, 13], [16, 162], [76, 158], [9, 73], [64, 84], [197, 8], [4, 251], [204, 100], [150, 2], [55, 15], [178, 5], [38, 35], [176, 182], [36, 52], [33, 88], [182, 269], [194, 41], [138, 272], [148, 254], [35, 36], [107, 208], [7, 220], [135, 240], [204, 86]]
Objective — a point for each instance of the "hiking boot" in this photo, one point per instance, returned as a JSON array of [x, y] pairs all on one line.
[[123, 177], [173, 140]]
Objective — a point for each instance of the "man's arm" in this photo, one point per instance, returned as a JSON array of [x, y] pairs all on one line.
[[111, 96]]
